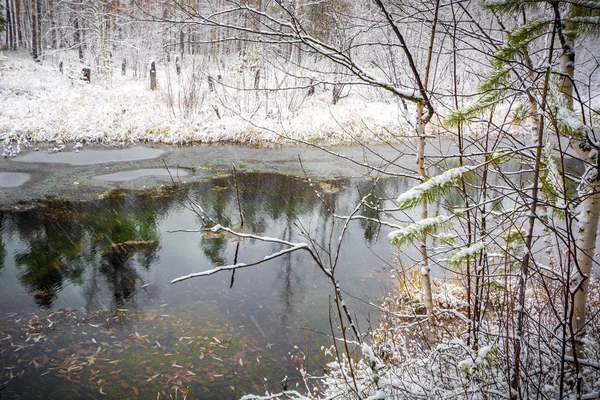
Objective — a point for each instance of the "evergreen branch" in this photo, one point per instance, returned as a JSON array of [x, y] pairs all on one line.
[[476, 109], [466, 253], [567, 120], [510, 6], [432, 188], [552, 184], [414, 232]]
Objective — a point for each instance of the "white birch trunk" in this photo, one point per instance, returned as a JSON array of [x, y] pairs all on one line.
[[590, 206], [425, 269], [586, 241]]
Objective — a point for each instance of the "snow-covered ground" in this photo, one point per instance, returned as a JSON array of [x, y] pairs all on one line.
[[39, 104]]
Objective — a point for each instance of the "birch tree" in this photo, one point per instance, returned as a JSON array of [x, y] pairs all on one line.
[[541, 29]]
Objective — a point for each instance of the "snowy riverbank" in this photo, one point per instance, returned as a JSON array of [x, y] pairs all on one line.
[[39, 104]]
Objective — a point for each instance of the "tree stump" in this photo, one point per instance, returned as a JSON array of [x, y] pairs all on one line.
[[311, 89], [87, 74], [60, 66], [152, 76], [124, 67]]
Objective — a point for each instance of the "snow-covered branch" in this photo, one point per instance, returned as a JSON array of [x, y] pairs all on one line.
[[218, 228]]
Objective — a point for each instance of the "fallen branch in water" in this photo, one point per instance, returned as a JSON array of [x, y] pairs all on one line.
[[233, 267]]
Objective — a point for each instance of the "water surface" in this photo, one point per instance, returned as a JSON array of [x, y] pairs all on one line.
[[86, 307], [131, 175]]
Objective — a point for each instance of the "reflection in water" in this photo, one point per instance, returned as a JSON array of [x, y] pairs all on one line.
[[2, 249], [213, 247], [124, 176], [119, 274], [117, 253], [103, 246], [63, 242], [51, 255]]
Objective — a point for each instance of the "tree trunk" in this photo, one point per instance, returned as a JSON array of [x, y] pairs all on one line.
[[53, 29], [567, 61], [10, 28], [181, 43], [152, 76], [77, 37], [87, 74], [425, 269], [524, 269], [421, 122], [19, 32], [40, 46], [34, 31], [590, 206], [586, 241]]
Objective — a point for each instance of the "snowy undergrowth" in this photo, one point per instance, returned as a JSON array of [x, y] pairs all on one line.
[[405, 358], [41, 105]]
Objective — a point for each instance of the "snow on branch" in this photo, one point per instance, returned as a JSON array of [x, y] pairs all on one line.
[[431, 188], [466, 253], [569, 122], [288, 394], [218, 228], [591, 4], [289, 32], [413, 232]]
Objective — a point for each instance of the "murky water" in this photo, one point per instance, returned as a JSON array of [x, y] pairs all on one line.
[[86, 306]]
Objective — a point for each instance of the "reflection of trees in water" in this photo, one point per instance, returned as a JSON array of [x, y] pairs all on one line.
[[289, 278], [269, 202], [371, 229], [102, 245], [214, 197], [2, 249], [124, 235], [120, 275], [52, 234], [78, 242], [214, 247], [264, 198]]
